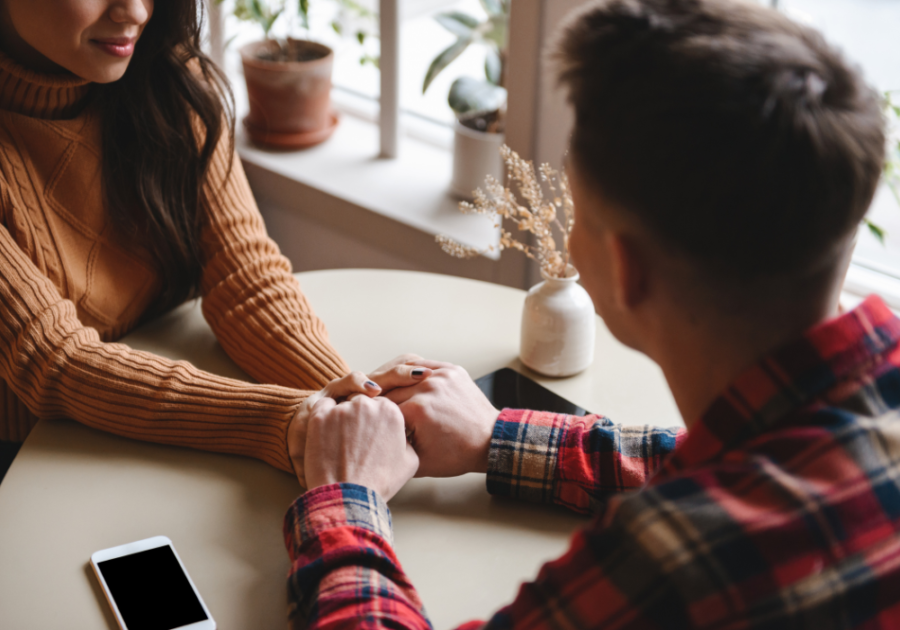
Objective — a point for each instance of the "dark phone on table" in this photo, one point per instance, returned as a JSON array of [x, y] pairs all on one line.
[[507, 388]]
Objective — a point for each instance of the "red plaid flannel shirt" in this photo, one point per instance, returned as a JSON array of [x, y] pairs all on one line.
[[780, 509]]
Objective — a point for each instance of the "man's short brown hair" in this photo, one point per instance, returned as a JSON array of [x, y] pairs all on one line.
[[741, 138]]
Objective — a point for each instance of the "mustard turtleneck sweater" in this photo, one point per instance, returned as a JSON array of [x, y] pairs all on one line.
[[70, 285]]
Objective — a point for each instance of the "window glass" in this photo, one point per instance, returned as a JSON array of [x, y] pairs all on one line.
[[421, 40], [868, 31]]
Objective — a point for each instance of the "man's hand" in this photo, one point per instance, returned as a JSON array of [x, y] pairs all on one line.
[[360, 441], [393, 374], [449, 421]]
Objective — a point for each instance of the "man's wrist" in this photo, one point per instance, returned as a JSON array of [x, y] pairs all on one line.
[[331, 506], [483, 455]]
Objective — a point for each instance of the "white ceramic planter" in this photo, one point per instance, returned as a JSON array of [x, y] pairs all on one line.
[[558, 327], [476, 154]]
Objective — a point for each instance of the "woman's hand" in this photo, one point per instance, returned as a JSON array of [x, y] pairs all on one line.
[[400, 372], [392, 375], [361, 441]]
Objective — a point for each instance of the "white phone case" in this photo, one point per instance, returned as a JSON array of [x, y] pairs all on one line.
[[136, 547]]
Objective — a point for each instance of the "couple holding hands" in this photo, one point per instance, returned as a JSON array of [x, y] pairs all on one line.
[[421, 416], [721, 161]]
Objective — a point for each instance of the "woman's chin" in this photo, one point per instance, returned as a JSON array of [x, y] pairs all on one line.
[[110, 75], [103, 72]]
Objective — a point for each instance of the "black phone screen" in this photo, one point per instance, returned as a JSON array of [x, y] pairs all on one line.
[[151, 590], [506, 388]]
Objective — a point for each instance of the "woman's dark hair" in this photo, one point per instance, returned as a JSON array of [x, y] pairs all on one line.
[[740, 137], [161, 123]]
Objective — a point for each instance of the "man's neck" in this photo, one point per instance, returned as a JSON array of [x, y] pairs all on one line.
[[702, 358]]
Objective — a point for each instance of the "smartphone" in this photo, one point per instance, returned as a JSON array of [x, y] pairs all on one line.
[[148, 587], [506, 388]]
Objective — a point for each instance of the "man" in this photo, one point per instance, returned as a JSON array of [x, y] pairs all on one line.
[[721, 161]]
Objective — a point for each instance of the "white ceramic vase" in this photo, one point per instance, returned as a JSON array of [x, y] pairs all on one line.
[[476, 154], [558, 326]]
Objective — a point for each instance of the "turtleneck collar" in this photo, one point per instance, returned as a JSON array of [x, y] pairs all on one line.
[[49, 96]]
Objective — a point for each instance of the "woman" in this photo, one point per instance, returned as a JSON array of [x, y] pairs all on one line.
[[120, 197]]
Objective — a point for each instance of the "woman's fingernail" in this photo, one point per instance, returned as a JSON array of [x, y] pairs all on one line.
[[372, 385], [419, 372]]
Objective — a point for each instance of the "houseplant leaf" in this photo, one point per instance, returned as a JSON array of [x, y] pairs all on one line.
[[303, 10], [257, 11], [457, 23], [475, 95], [876, 230], [493, 66], [496, 30], [270, 20], [492, 7], [445, 59], [242, 11]]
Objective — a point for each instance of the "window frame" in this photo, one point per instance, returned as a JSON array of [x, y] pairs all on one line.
[[538, 121]]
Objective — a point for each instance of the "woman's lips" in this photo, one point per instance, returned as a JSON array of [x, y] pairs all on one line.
[[116, 46]]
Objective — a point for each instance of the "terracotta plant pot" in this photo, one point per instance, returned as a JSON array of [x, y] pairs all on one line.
[[290, 101]]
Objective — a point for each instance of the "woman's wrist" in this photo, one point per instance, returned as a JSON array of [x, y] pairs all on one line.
[[296, 442]]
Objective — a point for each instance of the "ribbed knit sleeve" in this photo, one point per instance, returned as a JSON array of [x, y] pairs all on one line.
[[59, 368], [250, 299]]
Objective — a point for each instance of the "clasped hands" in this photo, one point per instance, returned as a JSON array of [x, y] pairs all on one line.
[[411, 417]]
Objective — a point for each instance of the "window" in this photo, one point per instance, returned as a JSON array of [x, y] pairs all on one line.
[[537, 125], [866, 30], [336, 23]]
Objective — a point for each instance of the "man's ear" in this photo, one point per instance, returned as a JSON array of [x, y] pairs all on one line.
[[630, 272]]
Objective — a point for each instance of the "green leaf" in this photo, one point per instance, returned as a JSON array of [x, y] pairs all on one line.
[[876, 230], [493, 66], [475, 95], [358, 9], [444, 59], [361, 37], [241, 12], [337, 27], [457, 23], [496, 30], [303, 10], [256, 11], [267, 25], [492, 7]]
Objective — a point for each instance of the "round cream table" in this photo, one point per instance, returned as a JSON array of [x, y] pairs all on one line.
[[73, 490]]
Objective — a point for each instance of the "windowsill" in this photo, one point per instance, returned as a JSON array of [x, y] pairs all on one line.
[[412, 189], [863, 279]]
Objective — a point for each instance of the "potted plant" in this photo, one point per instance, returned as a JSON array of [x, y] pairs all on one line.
[[479, 104], [288, 80]]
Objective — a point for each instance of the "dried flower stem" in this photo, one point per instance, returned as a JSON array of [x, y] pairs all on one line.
[[539, 217]]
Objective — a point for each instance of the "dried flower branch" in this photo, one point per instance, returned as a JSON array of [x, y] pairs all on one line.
[[540, 217]]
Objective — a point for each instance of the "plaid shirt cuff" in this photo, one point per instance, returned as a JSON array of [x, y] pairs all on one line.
[[524, 454], [337, 505]]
